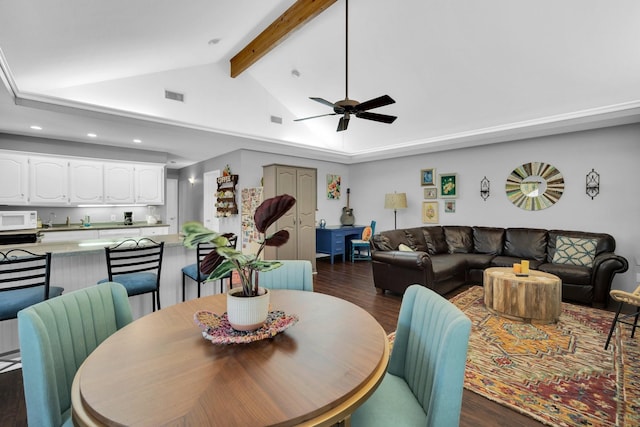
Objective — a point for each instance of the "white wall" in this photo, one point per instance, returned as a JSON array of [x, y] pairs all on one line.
[[613, 152]]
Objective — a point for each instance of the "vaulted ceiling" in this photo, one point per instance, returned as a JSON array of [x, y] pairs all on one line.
[[462, 73]]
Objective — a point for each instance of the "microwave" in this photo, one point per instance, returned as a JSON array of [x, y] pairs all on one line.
[[18, 220]]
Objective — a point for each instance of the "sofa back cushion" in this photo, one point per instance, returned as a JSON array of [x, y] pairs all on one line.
[[389, 240], [488, 240], [435, 240], [459, 239], [526, 243], [604, 242], [415, 237]]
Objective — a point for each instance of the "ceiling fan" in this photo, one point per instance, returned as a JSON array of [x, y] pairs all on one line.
[[348, 107]]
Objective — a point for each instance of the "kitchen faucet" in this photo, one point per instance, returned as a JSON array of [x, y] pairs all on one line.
[[51, 216]]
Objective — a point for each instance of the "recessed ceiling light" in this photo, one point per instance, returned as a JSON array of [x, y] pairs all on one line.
[[137, 141], [214, 41], [295, 73], [36, 127], [92, 135]]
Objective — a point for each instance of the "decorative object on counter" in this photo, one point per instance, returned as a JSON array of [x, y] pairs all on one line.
[[86, 221], [431, 193], [226, 196], [224, 259], [323, 223], [347, 217], [333, 187], [395, 201], [448, 185], [430, 212], [593, 184], [427, 177], [128, 218], [485, 189], [216, 328], [534, 186]]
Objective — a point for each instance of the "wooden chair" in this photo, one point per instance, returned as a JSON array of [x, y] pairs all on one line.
[[424, 380], [193, 271], [137, 266], [361, 248], [24, 281], [56, 336], [631, 298]]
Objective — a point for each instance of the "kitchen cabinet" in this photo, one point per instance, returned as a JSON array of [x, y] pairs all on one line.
[[300, 221], [14, 179], [69, 236], [48, 180], [86, 181], [149, 184], [118, 183]]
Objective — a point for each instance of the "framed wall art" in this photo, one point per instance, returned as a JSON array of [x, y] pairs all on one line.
[[450, 206], [333, 187], [431, 193], [430, 212], [449, 185], [428, 176]]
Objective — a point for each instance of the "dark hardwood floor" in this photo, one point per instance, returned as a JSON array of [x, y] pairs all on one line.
[[352, 282]]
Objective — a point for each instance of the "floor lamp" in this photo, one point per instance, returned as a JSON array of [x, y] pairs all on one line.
[[395, 201]]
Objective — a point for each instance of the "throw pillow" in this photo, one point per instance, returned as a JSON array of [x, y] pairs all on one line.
[[404, 248], [574, 251]]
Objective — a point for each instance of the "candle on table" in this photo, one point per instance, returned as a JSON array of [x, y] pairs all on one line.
[[516, 268], [524, 266]]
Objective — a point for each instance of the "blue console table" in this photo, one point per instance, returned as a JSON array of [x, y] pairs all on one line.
[[333, 239]]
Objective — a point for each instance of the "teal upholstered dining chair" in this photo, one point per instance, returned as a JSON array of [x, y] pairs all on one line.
[[293, 274], [24, 281], [361, 248], [424, 380], [56, 336], [136, 264], [193, 271]]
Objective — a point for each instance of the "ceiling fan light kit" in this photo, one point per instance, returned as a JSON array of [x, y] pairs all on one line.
[[348, 107]]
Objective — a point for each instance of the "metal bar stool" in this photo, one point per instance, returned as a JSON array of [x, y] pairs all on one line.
[[194, 271]]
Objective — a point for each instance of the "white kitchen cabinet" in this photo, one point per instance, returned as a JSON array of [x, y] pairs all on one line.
[[68, 236], [86, 181], [119, 183], [119, 232], [149, 184], [48, 181], [14, 179], [154, 231]]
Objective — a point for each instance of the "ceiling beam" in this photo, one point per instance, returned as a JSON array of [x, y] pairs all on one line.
[[293, 18]]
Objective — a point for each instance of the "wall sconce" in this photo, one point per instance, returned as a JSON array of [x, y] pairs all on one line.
[[593, 184], [395, 201], [192, 180], [485, 189]]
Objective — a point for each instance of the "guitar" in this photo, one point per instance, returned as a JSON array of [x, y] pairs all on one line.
[[347, 217]]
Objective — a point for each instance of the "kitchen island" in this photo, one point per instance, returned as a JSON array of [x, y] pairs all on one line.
[[76, 264]]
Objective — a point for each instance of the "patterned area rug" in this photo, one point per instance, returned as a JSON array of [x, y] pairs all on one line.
[[558, 374]]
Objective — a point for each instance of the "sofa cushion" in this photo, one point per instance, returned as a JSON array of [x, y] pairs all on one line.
[[382, 242], [446, 266], [526, 243], [435, 240], [575, 251], [605, 242], [415, 239], [459, 239], [573, 274], [508, 261], [391, 239], [475, 261], [488, 240]]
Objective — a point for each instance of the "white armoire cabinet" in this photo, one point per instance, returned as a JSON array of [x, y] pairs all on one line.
[[300, 221]]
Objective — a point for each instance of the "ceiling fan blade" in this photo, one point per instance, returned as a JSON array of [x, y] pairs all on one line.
[[315, 117], [376, 117], [322, 101], [343, 123], [380, 101]]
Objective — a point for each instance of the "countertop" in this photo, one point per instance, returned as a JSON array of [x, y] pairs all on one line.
[[76, 227], [77, 247]]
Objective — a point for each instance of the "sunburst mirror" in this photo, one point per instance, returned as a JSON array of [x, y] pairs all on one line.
[[534, 186]]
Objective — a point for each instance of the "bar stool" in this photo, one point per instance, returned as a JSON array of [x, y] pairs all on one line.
[[24, 281], [194, 271], [137, 266]]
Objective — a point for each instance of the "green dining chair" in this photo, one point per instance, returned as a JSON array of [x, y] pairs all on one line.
[[293, 274], [56, 336], [424, 380]]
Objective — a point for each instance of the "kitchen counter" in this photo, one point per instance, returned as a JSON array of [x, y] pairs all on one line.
[[76, 227]]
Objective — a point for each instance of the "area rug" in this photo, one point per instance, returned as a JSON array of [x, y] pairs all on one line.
[[558, 374]]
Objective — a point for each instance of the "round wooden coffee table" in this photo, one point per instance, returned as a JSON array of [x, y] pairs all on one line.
[[535, 298]]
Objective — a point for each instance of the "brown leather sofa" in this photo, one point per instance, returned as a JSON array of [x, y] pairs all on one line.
[[444, 258]]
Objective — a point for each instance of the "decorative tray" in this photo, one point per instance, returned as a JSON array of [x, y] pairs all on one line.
[[216, 327]]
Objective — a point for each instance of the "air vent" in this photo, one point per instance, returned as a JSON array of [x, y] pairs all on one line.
[[276, 119], [175, 96]]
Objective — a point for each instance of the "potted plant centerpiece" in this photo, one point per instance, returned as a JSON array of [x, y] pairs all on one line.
[[248, 306]]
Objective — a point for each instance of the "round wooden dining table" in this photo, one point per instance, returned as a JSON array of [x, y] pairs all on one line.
[[159, 370]]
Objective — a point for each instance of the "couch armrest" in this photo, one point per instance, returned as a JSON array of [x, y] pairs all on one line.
[[416, 260], [605, 266]]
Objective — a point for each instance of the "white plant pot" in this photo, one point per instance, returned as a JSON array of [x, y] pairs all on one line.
[[247, 313]]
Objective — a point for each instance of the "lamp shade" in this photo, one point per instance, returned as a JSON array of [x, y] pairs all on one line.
[[395, 201]]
